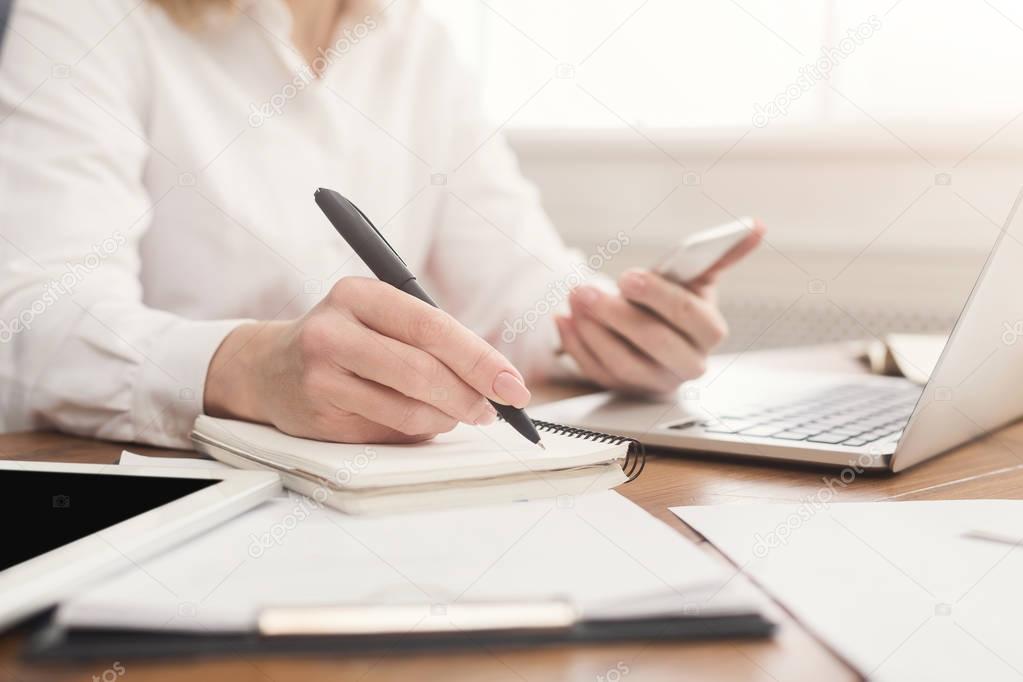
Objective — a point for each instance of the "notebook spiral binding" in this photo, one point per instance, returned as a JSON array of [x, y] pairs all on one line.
[[635, 459]]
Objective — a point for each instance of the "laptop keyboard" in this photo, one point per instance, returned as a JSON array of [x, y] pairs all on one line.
[[848, 414]]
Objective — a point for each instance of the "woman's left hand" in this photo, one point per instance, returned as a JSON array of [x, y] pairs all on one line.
[[655, 334]]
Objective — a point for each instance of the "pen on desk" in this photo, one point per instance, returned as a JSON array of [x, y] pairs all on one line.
[[994, 537], [380, 257]]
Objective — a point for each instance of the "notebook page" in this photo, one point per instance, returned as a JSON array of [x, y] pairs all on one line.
[[466, 452]]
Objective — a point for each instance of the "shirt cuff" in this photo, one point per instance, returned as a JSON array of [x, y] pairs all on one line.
[[169, 393]]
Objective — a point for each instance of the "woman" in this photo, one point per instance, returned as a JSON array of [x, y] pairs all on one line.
[[162, 255]]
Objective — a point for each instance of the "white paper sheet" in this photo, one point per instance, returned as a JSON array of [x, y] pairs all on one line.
[[601, 551], [897, 588], [132, 459]]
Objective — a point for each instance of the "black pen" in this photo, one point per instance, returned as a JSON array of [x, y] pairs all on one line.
[[380, 257]]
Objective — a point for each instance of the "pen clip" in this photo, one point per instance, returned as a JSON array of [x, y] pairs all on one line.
[[379, 233]]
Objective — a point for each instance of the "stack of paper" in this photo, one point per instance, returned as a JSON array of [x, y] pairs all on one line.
[[913, 356], [600, 552]]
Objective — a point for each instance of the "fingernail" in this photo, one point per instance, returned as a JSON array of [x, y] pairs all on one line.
[[510, 390], [633, 281], [588, 295], [489, 416]]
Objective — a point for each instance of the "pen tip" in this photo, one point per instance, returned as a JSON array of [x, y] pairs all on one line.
[[540, 443]]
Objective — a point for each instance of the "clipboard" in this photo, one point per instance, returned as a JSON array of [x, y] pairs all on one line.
[[389, 628]]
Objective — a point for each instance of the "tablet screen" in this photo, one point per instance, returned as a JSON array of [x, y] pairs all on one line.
[[48, 509]]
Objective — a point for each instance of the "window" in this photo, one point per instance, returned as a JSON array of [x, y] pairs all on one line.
[[682, 63]]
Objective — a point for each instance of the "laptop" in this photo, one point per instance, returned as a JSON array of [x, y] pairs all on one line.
[[862, 421]]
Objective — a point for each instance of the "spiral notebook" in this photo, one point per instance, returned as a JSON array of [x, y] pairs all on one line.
[[470, 465]]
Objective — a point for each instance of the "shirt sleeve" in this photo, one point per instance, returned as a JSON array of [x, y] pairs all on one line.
[[497, 262], [79, 350]]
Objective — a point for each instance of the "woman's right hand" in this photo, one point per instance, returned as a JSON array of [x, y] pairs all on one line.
[[368, 364]]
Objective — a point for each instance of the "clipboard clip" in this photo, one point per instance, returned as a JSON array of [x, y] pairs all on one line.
[[400, 619]]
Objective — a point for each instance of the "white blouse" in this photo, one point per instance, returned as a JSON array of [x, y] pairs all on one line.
[[156, 189]]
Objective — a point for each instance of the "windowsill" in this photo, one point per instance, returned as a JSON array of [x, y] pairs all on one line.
[[834, 190], [993, 139]]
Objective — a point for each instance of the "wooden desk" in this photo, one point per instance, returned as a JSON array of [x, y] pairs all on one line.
[[991, 468]]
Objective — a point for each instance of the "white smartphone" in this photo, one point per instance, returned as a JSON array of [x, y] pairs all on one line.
[[696, 253]]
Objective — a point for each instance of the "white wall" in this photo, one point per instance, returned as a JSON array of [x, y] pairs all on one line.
[[869, 232]]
